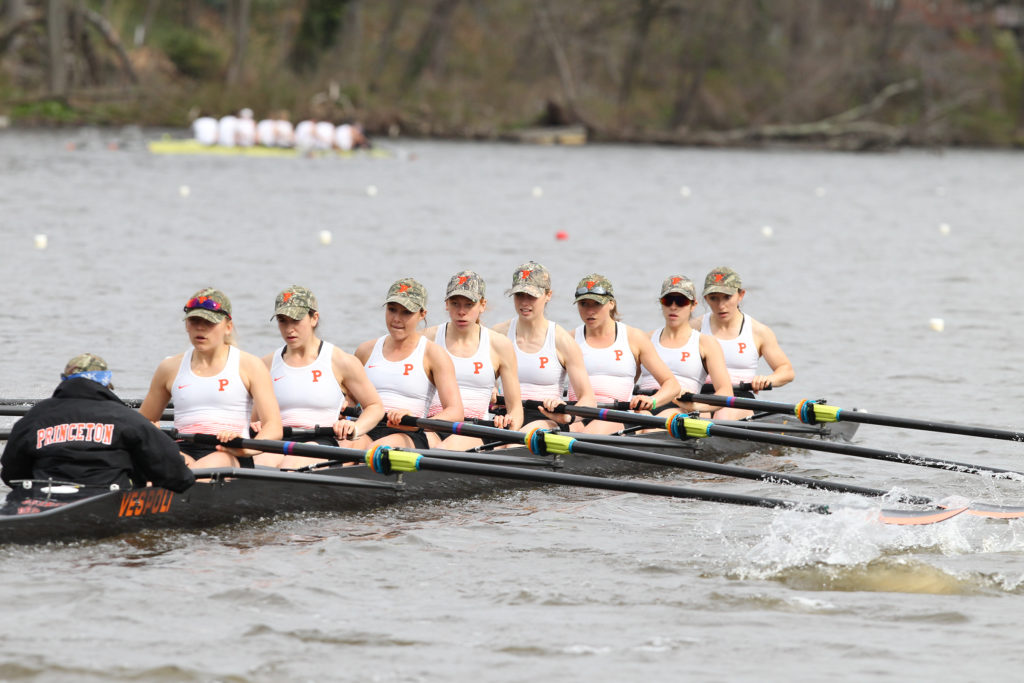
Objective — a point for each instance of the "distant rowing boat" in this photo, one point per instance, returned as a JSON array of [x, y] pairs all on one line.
[[190, 147], [228, 497]]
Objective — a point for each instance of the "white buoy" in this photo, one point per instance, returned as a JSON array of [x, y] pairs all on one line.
[[937, 324], [944, 229], [371, 190], [184, 191], [41, 241], [325, 237], [767, 231], [685, 191], [819, 192], [537, 192]]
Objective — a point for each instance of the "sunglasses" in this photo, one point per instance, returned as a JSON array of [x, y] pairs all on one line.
[[580, 291], [675, 300], [205, 303]]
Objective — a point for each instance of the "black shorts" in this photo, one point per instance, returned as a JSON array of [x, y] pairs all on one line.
[[419, 437], [198, 450]]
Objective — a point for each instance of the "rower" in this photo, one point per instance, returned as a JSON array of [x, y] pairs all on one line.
[[693, 358], [204, 130], [480, 357], [407, 369], [86, 436], [349, 136], [545, 353], [614, 353], [226, 130], [311, 378], [245, 129], [744, 340], [214, 385]]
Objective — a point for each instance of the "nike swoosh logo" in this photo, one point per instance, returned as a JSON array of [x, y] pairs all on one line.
[[371, 366], [182, 386], [277, 378]]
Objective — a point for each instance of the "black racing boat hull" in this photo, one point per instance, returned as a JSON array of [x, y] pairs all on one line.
[[226, 500]]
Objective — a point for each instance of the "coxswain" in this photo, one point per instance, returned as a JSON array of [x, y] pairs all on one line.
[[407, 369], [311, 379], [546, 353], [84, 439], [744, 340], [480, 357], [693, 358], [614, 354], [214, 385]]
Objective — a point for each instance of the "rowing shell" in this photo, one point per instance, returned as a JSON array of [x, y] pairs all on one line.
[[232, 495], [190, 147]]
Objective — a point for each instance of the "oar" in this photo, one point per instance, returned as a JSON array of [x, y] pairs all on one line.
[[19, 411], [386, 460], [813, 412], [754, 425], [545, 441], [681, 426], [130, 402], [222, 473]]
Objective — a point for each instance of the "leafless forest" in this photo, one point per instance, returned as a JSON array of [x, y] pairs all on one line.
[[854, 74]]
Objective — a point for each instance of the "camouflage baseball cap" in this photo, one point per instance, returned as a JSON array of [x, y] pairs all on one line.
[[530, 278], [295, 302], [596, 288], [90, 366], [409, 293], [468, 284], [209, 304], [679, 284], [724, 280]]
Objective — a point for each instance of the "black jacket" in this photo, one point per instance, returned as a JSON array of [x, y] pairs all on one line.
[[85, 435]]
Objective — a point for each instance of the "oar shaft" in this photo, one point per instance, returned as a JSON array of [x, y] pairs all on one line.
[[636, 455], [842, 415], [625, 486], [793, 442], [518, 473]]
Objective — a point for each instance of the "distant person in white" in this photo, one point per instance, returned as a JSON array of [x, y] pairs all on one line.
[[266, 133], [226, 130], [245, 129], [204, 130], [284, 132], [350, 136]]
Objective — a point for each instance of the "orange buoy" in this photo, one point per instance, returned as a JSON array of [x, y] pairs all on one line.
[[561, 235]]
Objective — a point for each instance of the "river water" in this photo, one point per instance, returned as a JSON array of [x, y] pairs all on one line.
[[849, 258]]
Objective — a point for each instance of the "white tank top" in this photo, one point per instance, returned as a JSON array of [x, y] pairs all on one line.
[[308, 395], [541, 376], [475, 375], [684, 362], [612, 370], [208, 405], [740, 353], [402, 384]]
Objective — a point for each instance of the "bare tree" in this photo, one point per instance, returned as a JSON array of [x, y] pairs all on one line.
[[426, 55], [240, 11], [57, 35]]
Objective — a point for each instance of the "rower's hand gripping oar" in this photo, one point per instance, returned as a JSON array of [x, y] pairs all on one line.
[[388, 460], [543, 441], [812, 412]]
